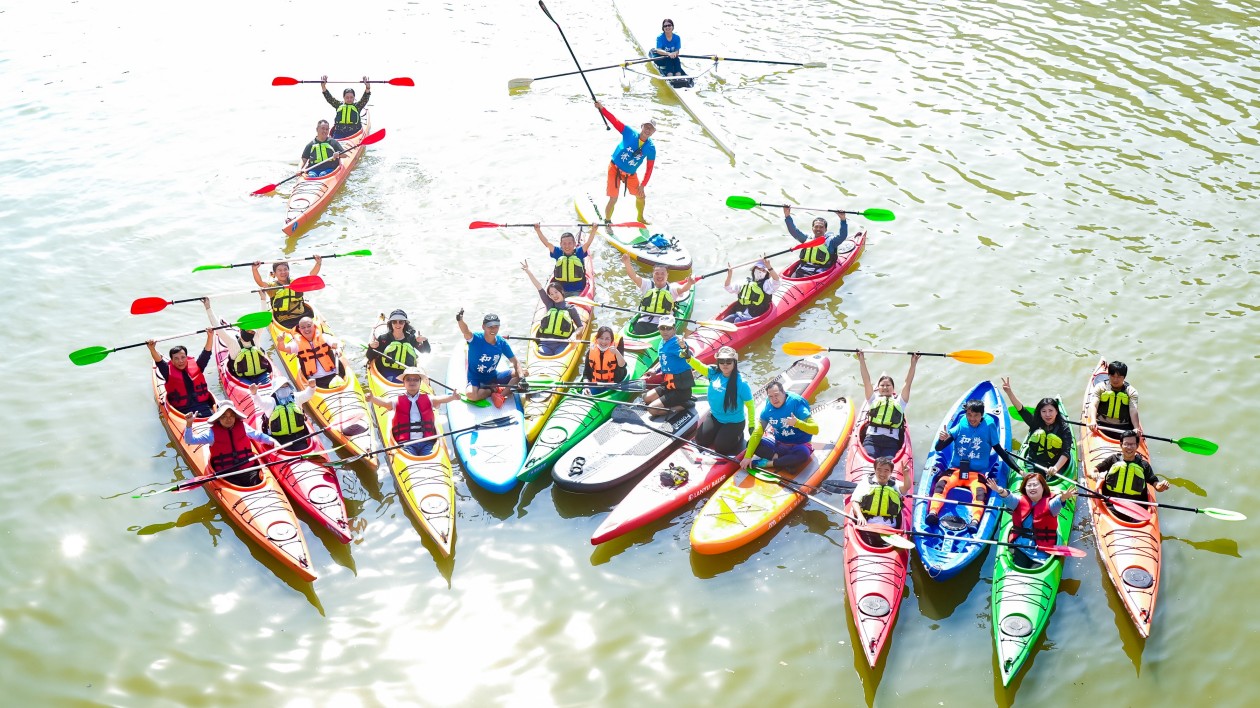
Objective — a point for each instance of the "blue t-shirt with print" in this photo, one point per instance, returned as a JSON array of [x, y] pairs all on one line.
[[774, 420], [628, 155], [483, 357], [974, 444], [717, 397]]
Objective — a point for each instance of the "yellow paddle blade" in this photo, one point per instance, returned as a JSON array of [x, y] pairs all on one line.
[[971, 356], [579, 300], [802, 348], [718, 325]]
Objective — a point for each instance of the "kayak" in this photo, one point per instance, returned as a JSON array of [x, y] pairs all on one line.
[[650, 249], [564, 365], [1023, 597], [312, 194], [262, 511], [341, 408], [745, 507], [874, 572], [575, 418], [1130, 551], [625, 446], [491, 456], [650, 499], [312, 487], [945, 557], [425, 483], [792, 295]]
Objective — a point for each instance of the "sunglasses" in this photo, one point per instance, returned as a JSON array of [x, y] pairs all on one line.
[[664, 26], [726, 361]]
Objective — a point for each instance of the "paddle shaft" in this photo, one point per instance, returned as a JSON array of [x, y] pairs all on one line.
[[287, 260], [985, 541], [797, 247], [336, 156], [642, 312], [198, 481], [576, 63], [623, 64], [426, 438], [1148, 436], [1081, 488], [747, 61], [628, 404]]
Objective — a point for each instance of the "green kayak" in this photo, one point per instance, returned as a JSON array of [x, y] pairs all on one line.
[[575, 418], [1024, 597]]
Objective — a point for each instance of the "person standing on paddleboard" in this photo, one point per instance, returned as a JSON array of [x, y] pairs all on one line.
[[349, 113], [634, 149]]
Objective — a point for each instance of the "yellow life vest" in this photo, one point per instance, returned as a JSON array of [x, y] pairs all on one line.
[[1113, 404], [658, 301], [751, 294], [286, 420], [886, 413], [252, 358], [557, 323], [1045, 444], [817, 256], [1127, 478], [286, 303], [883, 500], [347, 114], [399, 355], [569, 269], [320, 152]]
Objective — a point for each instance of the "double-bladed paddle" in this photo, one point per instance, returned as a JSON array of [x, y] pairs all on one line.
[[1064, 551], [195, 482], [501, 422], [369, 140], [711, 57], [524, 83], [149, 305], [91, 355], [289, 81], [492, 225], [966, 356], [1124, 506], [712, 324], [218, 266], [869, 214], [575, 62], [798, 247], [1197, 446]]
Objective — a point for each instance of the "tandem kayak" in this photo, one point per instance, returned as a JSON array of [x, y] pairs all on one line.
[[694, 475], [262, 511], [1130, 551], [944, 557], [492, 456], [562, 366], [874, 572], [745, 507], [312, 194], [1023, 597]]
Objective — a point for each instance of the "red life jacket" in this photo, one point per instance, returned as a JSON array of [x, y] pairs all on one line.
[[230, 449], [402, 418], [176, 395], [1045, 530]]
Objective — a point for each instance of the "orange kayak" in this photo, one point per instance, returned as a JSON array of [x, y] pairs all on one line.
[[311, 195], [261, 511], [1129, 551]]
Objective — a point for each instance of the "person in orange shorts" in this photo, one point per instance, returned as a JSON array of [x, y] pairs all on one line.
[[634, 149], [973, 439]]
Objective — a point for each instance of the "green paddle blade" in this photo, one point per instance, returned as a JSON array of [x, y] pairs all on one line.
[[361, 252], [88, 355], [212, 266], [741, 202], [1223, 514], [878, 215], [1198, 446], [254, 320]]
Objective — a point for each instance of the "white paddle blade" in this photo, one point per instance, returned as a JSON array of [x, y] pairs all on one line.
[[519, 83], [815, 65]]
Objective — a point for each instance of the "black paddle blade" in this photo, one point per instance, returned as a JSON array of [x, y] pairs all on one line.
[[498, 422], [838, 486]]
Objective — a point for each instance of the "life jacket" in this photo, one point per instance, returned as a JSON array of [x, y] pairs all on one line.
[[603, 365], [286, 303], [1114, 405], [399, 354], [347, 114], [312, 351], [886, 413], [569, 269], [818, 256], [883, 500], [1045, 526], [402, 427], [557, 323], [320, 152], [658, 301], [1044, 446], [752, 297], [175, 393], [230, 448], [684, 378], [248, 362], [286, 419], [1127, 478]]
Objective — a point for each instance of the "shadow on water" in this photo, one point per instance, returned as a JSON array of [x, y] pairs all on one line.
[[340, 552], [939, 599], [871, 677], [813, 520], [645, 534], [1220, 546], [530, 490], [576, 505], [1132, 642], [1187, 485], [500, 506]]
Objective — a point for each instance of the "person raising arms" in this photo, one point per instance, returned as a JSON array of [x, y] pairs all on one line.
[[349, 119], [634, 149], [570, 268], [885, 411], [659, 297], [819, 258], [186, 387], [1050, 439], [287, 305], [485, 349], [754, 295], [560, 319]]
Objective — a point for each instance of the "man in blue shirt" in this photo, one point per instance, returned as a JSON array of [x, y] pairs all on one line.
[[791, 427], [570, 270], [634, 149], [485, 349], [675, 393], [819, 258], [973, 439]]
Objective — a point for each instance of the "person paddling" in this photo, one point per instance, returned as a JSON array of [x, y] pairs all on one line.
[[877, 500], [186, 387], [321, 155], [485, 349], [228, 437], [349, 119], [659, 296], [821, 258], [414, 412], [559, 320], [753, 297], [570, 268], [634, 149], [973, 437], [283, 412], [784, 433], [885, 410], [246, 360], [399, 347], [1127, 474], [318, 352], [1114, 403], [287, 306], [1035, 517]]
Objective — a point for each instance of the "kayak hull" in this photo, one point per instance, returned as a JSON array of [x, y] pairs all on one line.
[[623, 448], [492, 456], [311, 195]]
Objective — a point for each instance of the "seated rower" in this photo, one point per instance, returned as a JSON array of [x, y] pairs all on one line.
[[1113, 403], [228, 437], [570, 268], [287, 306], [1035, 517], [973, 438], [398, 348], [790, 425], [560, 319], [754, 295], [349, 119], [659, 296], [819, 258], [885, 410], [605, 360], [414, 412], [1050, 440], [318, 353], [731, 406], [323, 154], [1127, 474], [668, 47], [677, 364], [283, 411], [186, 387], [877, 500], [485, 349]]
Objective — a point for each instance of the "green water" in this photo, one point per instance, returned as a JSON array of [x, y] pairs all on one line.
[[1070, 180]]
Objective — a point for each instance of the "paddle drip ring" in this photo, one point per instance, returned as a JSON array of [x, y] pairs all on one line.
[[1138, 578], [282, 531], [874, 606], [322, 494], [1016, 626]]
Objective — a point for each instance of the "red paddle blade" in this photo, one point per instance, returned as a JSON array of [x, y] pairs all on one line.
[[306, 284], [148, 305], [374, 138], [1137, 512], [1065, 551], [265, 190], [629, 225], [284, 81], [402, 81], [483, 225], [810, 243]]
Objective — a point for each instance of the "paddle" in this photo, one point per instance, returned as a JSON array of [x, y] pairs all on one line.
[[636, 385], [807, 65], [91, 355], [712, 324], [369, 140], [609, 401], [502, 422], [1125, 506], [798, 247], [575, 62], [1065, 551], [289, 81], [869, 214], [966, 356], [492, 225], [149, 305], [524, 83], [195, 482], [1197, 446], [216, 266]]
